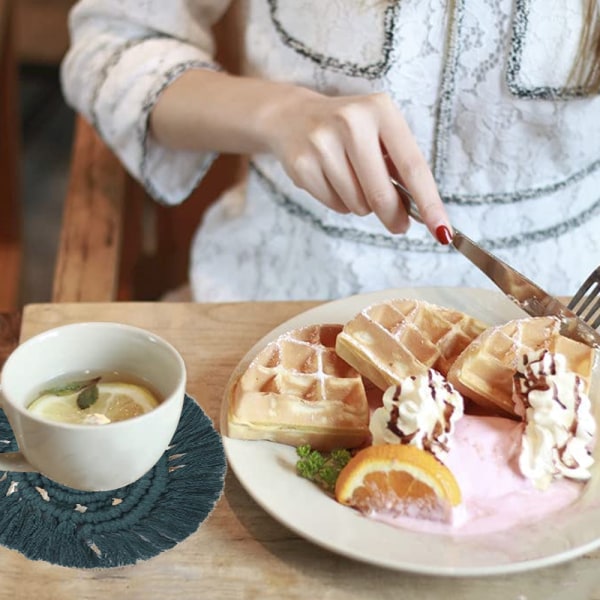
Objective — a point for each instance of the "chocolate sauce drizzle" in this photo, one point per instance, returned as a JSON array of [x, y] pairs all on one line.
[[529, 381], [439, 429]]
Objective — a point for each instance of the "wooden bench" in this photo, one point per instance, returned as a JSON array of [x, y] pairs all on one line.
[[11, 243], [116, 243]]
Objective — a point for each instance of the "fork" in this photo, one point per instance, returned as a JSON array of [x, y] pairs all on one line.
[[579, 321], [586, 302]]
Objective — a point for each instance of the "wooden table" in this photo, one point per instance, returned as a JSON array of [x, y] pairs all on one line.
[[240, 551]]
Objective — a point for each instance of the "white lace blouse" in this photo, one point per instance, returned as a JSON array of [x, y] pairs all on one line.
[[514, 147]]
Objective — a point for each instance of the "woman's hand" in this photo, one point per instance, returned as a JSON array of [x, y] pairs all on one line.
[[342, 150]]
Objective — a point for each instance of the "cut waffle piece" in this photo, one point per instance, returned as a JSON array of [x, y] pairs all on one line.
[[390, 341], [297, 390], [484, 371]]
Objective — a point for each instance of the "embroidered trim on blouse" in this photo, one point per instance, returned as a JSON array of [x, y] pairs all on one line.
[[519, 195], [143, 126], [447, 91], [104, 72], [444, 119], [383, 240], [513, 68], [372, 71]]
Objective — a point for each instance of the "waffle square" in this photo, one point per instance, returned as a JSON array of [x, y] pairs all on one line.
[[390, 341], [484, 371], [297, 390]]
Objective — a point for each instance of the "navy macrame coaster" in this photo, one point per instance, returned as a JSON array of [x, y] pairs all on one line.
[[47, 521]]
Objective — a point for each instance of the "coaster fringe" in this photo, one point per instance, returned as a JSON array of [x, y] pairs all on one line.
[[47, 521]]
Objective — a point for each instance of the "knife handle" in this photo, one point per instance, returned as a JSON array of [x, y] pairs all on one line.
[[408, 201]]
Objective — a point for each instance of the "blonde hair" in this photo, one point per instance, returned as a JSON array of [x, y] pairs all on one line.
[[586, 70]]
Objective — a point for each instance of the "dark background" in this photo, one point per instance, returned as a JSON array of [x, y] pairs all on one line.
[[41, 39]]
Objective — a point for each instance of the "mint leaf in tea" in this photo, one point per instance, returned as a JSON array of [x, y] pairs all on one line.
[[93, 401]]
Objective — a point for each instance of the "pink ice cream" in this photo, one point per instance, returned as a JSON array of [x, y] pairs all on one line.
[[484, 460], [483, 454]]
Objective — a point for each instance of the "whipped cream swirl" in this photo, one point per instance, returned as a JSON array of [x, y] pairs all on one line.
[[559, 425], [420, 411]]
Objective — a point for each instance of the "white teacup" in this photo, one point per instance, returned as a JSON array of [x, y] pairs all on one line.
[[91, 457]]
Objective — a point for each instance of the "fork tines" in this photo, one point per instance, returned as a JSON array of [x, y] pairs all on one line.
[[586, 302]]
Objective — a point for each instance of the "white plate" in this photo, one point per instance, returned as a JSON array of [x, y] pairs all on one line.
[[267, 471]]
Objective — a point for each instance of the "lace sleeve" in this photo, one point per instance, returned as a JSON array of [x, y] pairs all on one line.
[[123, 54]]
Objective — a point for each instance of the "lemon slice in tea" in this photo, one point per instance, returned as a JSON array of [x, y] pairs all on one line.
[[116, 401]]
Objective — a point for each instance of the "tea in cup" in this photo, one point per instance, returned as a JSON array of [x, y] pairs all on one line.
[[93, 406]]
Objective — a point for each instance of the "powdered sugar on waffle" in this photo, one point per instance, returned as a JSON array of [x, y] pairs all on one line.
[[391, 340], [298, 391]]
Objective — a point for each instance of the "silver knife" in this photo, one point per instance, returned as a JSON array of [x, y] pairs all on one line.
[[523, 292]]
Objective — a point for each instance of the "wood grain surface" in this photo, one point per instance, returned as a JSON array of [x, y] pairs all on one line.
[[10, 327], [240, 551], [11, 235]]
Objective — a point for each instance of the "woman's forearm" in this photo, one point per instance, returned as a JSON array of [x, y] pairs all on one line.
[[339, 149], [212, 111]]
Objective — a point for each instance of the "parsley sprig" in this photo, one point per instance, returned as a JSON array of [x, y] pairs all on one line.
[[321, 468]]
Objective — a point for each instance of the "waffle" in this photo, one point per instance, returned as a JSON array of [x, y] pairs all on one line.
[[390, 341], [298, 391], [484, 371]]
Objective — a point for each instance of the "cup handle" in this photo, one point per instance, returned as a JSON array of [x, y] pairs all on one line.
[[13, 461]]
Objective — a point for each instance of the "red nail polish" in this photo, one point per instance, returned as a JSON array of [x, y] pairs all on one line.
[[443, 235]]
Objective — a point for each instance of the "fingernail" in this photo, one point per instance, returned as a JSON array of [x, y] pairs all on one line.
[[442, 233]]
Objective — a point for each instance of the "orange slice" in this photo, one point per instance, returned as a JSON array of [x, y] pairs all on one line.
[[399, 479]]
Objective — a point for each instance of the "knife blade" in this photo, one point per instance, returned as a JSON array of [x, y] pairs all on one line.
[[524, 293], [527, 295]]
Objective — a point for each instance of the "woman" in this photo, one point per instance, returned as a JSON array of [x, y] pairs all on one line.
[[493, 104]]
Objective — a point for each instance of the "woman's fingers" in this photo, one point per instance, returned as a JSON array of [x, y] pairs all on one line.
[[334, 149], [306, 173], [372, 173], [415, 174], [339, 172], [323, 170], [349, 150]]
